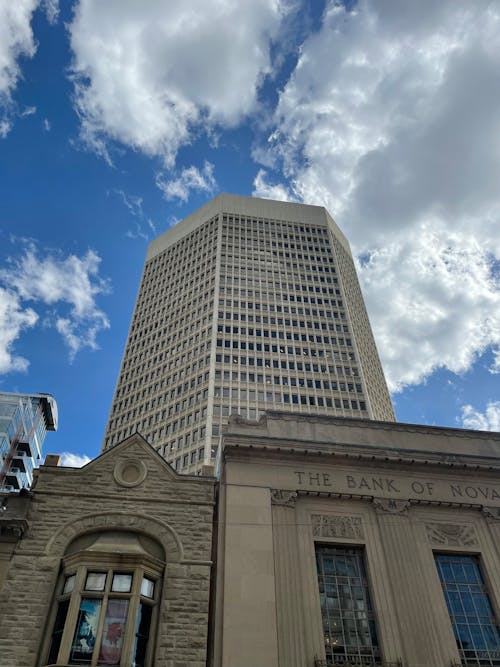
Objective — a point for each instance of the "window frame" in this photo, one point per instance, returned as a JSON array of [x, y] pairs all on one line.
[[357, 550], [79, 565], [455, 591]]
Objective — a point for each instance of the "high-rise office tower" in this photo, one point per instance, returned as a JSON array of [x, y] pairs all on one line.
[[24, 421], [246, 304]]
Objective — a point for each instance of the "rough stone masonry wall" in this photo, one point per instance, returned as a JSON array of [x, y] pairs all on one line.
[[68, 502]]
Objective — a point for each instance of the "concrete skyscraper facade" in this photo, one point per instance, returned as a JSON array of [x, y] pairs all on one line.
[[245, 305]]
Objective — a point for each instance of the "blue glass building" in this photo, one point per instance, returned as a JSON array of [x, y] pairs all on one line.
[[24, 421]]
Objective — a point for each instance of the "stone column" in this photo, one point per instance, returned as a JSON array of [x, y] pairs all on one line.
[[422, 642], [289, 603], [491, 555], [249, 637]]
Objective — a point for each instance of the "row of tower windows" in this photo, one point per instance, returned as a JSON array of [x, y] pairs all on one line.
[[189, 310], [279, 271], [243, 317], [171, 292], [266, 347], [265, 224], [297, 399], [235, 376], [295, 287], [263, 283], [197, 239], [251, 270], [145, 391], [253, 395], [289, 350], [188, 459], [283, 307], [155, 331]]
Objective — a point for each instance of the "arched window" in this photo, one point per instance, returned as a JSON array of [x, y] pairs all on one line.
[[107, 601]]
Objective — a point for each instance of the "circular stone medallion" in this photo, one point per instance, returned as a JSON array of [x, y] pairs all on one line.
[[130, 472]]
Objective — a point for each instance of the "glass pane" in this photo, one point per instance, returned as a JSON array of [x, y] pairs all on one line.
[[86, 631], [95, 581], [121, 583], [142, 634], [474, 625], [113, 632], [62, 610], [69, 584], [348, 619], [147, 587]]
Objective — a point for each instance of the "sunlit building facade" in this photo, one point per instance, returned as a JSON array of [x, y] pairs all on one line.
[[244, 306]]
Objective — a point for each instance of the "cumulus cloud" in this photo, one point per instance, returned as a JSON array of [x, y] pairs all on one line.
[[444, 309], [70, 460], [489, 420], [262, 188], [66, 286], [148, 74], [16, 39], [14, 319], [190, 179], [391, 119]]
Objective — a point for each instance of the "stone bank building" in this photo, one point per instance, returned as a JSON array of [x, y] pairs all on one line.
[[321, 541]]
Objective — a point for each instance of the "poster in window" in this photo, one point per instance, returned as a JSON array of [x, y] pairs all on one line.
[[113, 632], [86, 631]]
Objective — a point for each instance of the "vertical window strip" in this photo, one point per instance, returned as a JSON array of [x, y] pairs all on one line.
[[473, 621], [346, 609]]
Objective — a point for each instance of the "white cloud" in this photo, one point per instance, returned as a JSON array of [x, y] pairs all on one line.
[[16, 39], [68, 285], [489, 420], [70, 460], [262, 188], [142, 225], [51, 10], [5, 127], [190, 179], [391, 119], [28, 111], [149, 74], [14, 319], [444, 309], [46, 125]]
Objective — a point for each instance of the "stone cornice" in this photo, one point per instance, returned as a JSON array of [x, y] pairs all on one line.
[[371, 424], [244, 446]]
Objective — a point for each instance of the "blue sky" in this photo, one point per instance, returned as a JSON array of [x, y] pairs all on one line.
[[119, 118]]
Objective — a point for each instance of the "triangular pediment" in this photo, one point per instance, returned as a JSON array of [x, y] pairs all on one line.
[[133, 447]]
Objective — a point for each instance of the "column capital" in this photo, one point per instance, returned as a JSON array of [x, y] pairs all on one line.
[[491, 513], [391, 506], [284, 497]]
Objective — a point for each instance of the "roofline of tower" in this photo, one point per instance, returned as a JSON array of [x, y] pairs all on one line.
[[239, 204]]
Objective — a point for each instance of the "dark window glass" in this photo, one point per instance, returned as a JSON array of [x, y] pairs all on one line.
[[62, 610], [346, 610], [474, 624], [142, 634]]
